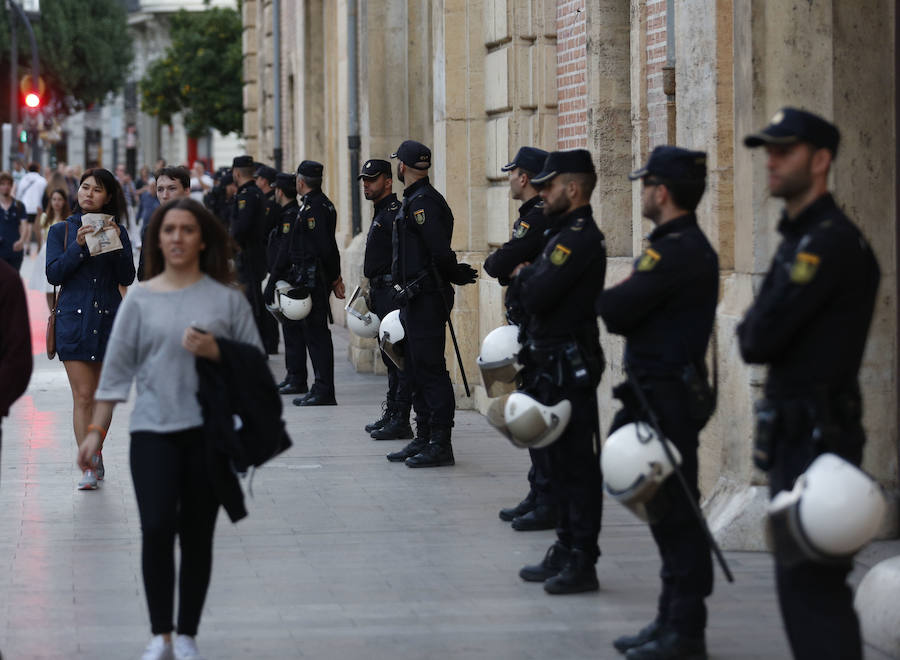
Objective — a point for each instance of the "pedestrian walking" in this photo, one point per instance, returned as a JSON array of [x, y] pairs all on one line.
[[171, 183], [186, 307], [14, 225], [88, 297], [809, 323], [57, 211]]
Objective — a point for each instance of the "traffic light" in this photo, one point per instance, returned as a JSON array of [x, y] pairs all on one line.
[[23, 136], [32, 100]]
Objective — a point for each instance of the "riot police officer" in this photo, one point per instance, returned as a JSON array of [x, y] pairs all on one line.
[[423, 267], [265, 177], [537, 510], [563, 361], [377, 181], [277, 252], [665, 310], [247, 224], [809, 324], [316, 264]]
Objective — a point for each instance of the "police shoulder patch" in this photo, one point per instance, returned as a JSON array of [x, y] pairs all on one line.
[[648, 260], [560, 254], [419, 216], [578, 225], [242, 203], [311, 221], [285, 227], [521, 229], [805, 266]]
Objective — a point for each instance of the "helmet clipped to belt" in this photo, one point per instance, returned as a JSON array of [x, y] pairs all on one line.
[[527, 422], [281, 287], [498, 360], [296, 303], [833, 511], [360, 320], [390, 337], [634, 465]]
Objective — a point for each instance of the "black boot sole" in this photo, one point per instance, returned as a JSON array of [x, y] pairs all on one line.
[[558, 588], [403, 435], [430, 464]]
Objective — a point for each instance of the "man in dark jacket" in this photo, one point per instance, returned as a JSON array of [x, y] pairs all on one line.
[[15, 340], [247, 224]]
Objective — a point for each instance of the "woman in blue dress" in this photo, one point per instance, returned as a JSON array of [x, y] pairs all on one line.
[[89, 296]]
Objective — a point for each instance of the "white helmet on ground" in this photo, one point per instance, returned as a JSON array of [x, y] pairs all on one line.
[[833, 511], [634, 465], [360, 320], [390, 336], [296, 303], [527, 422], [498, 360]]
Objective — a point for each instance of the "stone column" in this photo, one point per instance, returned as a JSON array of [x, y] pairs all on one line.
[[251, 76]]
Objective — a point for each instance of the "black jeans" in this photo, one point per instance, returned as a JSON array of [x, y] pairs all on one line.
[[174, 496]]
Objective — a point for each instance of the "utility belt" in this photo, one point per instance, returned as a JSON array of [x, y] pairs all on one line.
[[567, 363], [305, 275], [381, 281], [820, 417], [422, 282], [694, 378]]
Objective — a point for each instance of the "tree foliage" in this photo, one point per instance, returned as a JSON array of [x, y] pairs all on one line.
[[200, 74], [83, 47]]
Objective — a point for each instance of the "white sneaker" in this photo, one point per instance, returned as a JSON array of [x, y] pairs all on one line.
[[186, 648], [88, 480], [158, 649]]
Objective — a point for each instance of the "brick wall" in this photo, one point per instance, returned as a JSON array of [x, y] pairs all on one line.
[[657, 118], [571, 74]]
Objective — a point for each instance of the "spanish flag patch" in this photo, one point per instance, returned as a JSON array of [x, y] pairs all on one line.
[[560, 254], [648, 260], [805, 267]]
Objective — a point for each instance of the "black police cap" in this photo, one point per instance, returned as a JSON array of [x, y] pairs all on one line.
[[790, 125], [573, 161], [227, 179], [673, 164], [311, 168], [373, 167], [530, 159], [242, 161], [286, 182], [267, 173], [413, 154]]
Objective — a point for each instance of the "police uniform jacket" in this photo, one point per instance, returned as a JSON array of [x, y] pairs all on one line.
[[270, 210], [379, 248], [312, 241], [279, 240], [247, 224], [558, 290], [812, 315], [666, 307], [89, 297], [526, 243], [422, 234], [9, 230]]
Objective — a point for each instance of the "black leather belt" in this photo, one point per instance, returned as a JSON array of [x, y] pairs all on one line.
[[380, 281]]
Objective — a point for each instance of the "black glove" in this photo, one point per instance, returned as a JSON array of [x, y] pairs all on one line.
[[463, 274], [269, 292]]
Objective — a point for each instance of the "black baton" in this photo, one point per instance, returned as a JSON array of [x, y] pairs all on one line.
[[462, 369]]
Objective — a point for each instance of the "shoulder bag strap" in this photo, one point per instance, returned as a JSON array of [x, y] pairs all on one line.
[[65, 246]]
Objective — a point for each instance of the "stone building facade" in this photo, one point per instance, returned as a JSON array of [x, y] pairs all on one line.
[[476, 79]]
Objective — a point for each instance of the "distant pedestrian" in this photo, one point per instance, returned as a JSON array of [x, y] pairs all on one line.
[[31, 191], [201, 182], [13, 224], [147, 205], [15, 340], [189, 303], [88, 297], [57, 211]]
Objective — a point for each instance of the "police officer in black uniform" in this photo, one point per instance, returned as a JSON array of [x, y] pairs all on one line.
[[278, 257], [665, 310], [247, 224], [316, 264], [809, 324], [377, 181], [265, 177], [537, 511], [563, 360], [424, 266]]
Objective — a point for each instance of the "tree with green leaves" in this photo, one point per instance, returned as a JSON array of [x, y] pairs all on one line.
[[200, 74]]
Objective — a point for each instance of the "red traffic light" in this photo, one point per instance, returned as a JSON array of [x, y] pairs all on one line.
[[32, 100]]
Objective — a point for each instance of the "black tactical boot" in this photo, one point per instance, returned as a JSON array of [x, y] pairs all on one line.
[[519, 509], [387, 409], [438, 453], [670, 645], [423, 433], [550, 565], [397, 428], [577, 576], [293, 385], [646, 634], [541, 517]]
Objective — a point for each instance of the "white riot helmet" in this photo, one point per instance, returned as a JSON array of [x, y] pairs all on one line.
[[390, 336], [296, 303], [833, 511], [634, 465], [360, 320], [527, 422], [498, 360], [281, 287]]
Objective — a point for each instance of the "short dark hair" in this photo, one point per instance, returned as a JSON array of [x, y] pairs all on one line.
[[5, 176], [179, 173], [34, 167], [587, 181], [289, 188], [116, 204], [686, 195], [246, 172], [314, 182]]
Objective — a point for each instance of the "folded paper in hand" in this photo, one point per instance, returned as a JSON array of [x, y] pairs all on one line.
[[105, 238]]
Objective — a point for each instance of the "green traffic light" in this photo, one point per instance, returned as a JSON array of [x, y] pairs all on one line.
[[23, 136]]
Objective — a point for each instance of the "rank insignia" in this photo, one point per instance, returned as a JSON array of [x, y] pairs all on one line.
[[419, 216], [521, 230], [559, 255], [286, 228], [311, 222], [804, 268], [242, 203], [648, 260], [578, 225]]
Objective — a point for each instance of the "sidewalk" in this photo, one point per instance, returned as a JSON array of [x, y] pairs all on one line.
[[344, 555]]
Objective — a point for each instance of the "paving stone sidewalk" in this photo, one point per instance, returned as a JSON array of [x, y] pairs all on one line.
[[343, 555]]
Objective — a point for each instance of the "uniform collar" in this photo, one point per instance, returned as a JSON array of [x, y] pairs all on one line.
[[530, 204], [808, 218], [291, 202], [680, 223], [247, 184], [413, 187], [382, 204], [573, 215]]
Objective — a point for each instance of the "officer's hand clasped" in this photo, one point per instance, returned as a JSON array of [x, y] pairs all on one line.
[[463, 274]]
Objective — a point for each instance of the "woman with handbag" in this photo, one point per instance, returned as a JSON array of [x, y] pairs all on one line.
[[88, 297], [189, 300]]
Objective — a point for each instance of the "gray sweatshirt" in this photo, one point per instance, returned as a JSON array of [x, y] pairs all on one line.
[[145, 345]]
